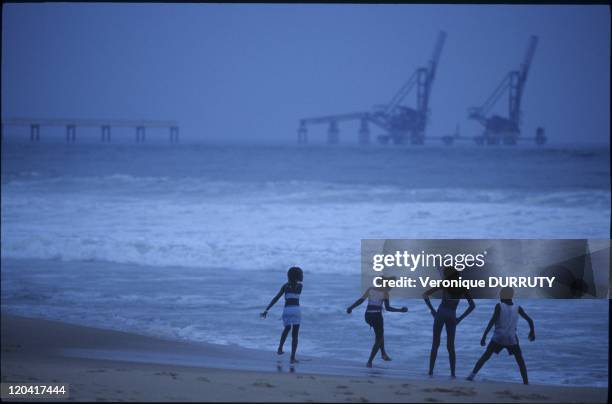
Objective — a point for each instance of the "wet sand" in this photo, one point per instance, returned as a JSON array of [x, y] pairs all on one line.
[[106, 365]]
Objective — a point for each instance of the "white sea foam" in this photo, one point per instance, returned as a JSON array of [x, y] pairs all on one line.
[[190, 222]]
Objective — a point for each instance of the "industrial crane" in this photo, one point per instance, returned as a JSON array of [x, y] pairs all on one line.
[[400, 122], [501, 129]]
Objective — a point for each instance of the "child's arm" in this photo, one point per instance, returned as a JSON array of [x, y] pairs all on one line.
[[470, 308], [274, 300], [358, 301], [531, 324], [494, 317], [428, 302], [391, 309]]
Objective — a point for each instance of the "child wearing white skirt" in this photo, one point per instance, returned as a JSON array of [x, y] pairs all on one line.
[[292, 315]]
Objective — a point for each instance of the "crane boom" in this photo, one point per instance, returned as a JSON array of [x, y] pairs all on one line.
[[435, 57], [424, 90], [485, 108], [507, 129], [431, 71], [401, 94], [517, 84], [513, 82], [533, 43]]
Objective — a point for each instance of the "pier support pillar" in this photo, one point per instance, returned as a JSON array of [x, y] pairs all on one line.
[[140, 134], [106, 133], [174, 134], [35, 132], [302, 134], [333, 134], [540, 137], [364, 133], [70, 133]]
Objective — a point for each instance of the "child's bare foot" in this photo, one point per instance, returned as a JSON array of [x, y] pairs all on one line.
[[430, 374], [369, 364], [280, 351], [293, 360], [386, 357]]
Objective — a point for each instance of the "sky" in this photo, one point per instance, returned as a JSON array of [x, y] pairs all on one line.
[[247, 73]]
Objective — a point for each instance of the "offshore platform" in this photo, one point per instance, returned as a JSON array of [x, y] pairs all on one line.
[[404, 124], [400, 123], [507, 130]]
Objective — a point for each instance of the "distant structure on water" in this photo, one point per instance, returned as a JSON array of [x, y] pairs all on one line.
[[507, 130], [105, 126], [403, 124]]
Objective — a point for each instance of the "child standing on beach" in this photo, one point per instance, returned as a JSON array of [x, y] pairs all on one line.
[[446, 317], [373, 316], [505, 318], [291, 313]]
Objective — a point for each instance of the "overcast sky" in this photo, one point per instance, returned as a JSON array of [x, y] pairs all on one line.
[[249, 72]]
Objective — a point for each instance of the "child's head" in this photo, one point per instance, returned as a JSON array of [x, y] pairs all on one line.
[[388, 278], [295, 274], [506, 293], [450, 273]]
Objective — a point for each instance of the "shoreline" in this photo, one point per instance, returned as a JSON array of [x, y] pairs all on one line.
[[113, 365]]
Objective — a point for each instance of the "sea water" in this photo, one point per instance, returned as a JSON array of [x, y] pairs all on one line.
[[192, 241]]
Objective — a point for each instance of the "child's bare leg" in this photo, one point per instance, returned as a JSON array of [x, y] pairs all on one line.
[[378, 342], [483, 359], [294, 341], [383, 353], [450, 345], [375, 349], [523, 368], [435, 343], [282, 339]]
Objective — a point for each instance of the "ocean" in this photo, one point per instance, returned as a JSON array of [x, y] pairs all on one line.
[[192, 241]]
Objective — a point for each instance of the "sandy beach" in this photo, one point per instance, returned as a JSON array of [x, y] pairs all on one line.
[[104, 365]]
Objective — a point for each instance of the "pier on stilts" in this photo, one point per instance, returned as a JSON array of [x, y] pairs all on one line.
[[71, 125]]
